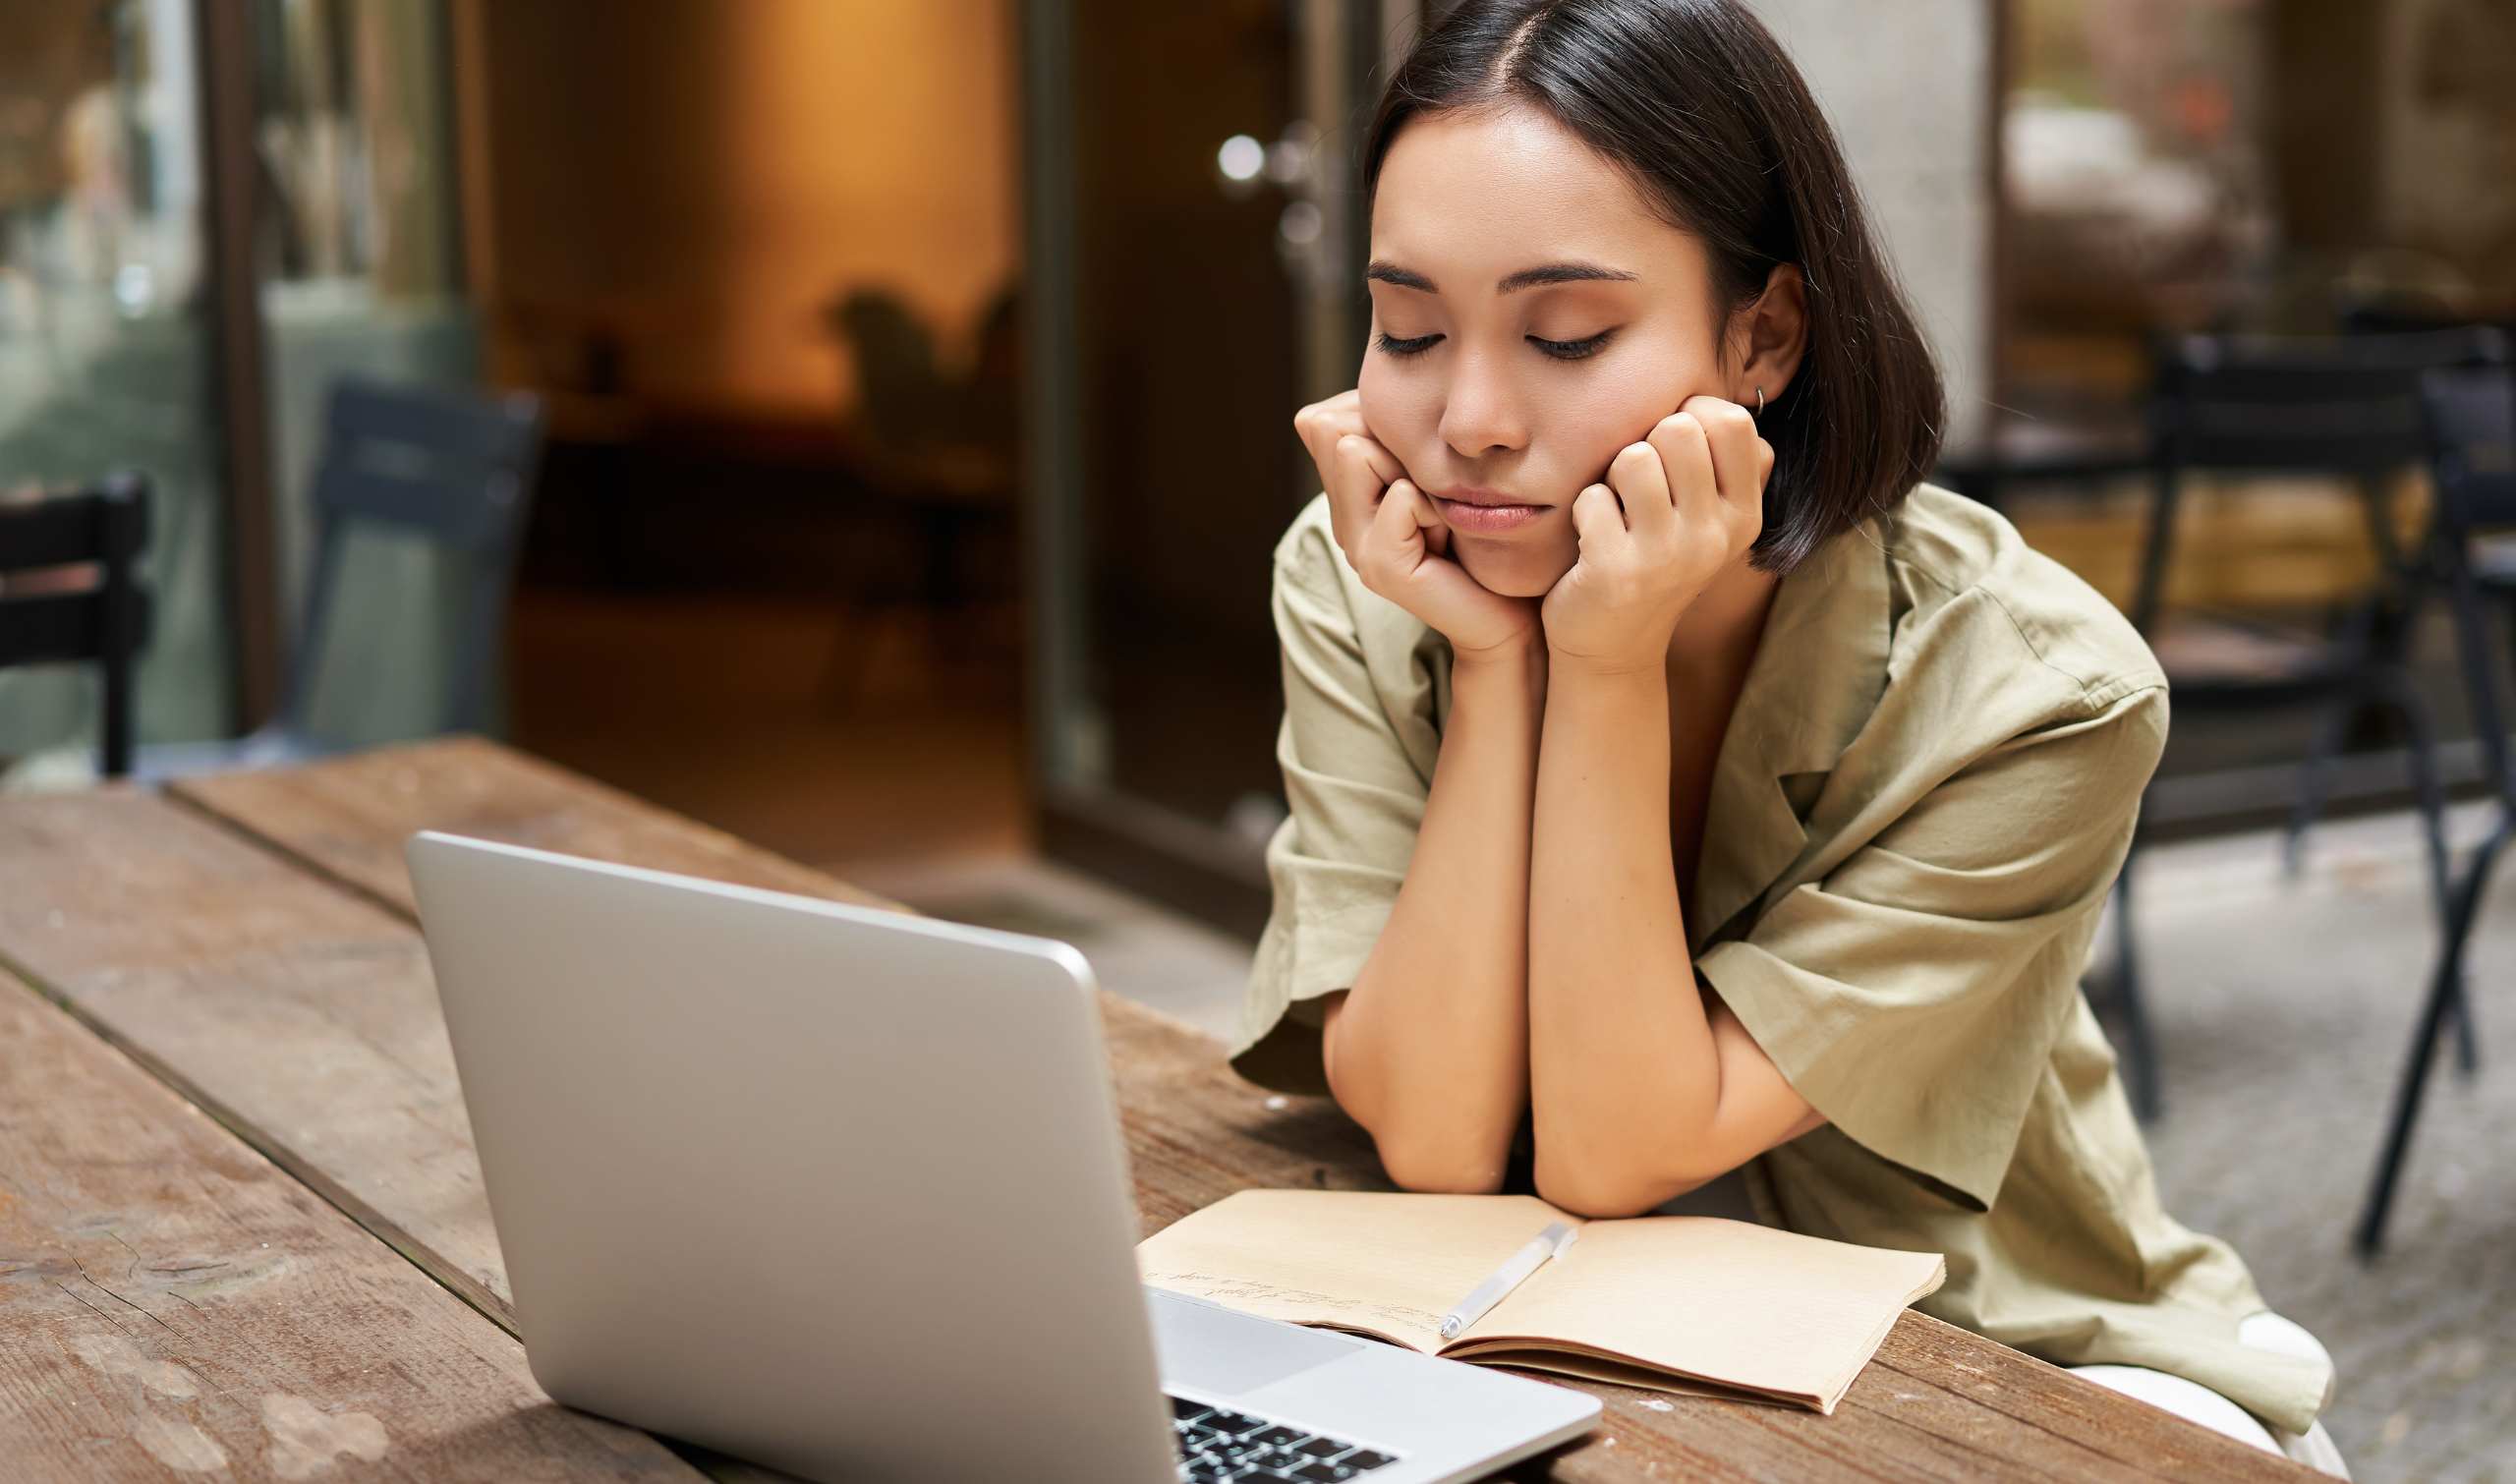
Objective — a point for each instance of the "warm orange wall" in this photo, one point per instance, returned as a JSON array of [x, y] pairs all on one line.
[[708, 176]]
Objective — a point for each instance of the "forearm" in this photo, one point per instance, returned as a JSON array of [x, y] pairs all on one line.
[[1429, 1049], [1623, 1067]]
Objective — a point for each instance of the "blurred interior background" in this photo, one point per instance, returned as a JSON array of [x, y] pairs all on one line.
[[906, 392], [770, 272]]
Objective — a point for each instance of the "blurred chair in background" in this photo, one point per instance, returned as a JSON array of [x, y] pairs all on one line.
[[453, 466], [2471, 419], [937, 454], [2347, 409], [2397, 317], [52, 613]]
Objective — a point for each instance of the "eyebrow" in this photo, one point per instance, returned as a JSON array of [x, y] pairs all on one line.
[[1527, 278]]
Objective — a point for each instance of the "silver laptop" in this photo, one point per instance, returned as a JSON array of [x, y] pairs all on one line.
[[842, 1191]]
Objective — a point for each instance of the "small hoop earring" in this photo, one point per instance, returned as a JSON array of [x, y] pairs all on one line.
[[1760, 401]]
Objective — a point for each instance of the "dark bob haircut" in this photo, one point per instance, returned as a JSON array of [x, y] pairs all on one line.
[[1698, 105]]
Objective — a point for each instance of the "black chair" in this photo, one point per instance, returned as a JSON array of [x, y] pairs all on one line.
[[2471, 420], [104, 622], [937, 457], [454, 466], [2252, 406], [2399, 319]]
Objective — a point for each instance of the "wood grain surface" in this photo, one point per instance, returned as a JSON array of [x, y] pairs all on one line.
[[253, 943], [174, 1306], [349, 817], [295, 1013]]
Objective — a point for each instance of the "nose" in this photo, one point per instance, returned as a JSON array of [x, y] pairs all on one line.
[[1480, 413]]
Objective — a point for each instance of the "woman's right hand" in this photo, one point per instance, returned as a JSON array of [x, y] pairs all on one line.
[[1395, 539]]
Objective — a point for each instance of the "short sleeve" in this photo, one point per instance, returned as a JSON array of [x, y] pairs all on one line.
[[1914, 994], [1356, 790]]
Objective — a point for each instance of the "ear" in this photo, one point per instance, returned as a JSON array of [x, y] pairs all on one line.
[[1769, 334]]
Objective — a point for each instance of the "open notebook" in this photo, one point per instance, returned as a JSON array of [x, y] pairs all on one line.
[[1675, 1303]]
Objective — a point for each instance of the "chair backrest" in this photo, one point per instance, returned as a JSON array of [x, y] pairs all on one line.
[[453, 466], [2471, 419], [2405, 318], [104, 622], [908, 404], [2342, 406]]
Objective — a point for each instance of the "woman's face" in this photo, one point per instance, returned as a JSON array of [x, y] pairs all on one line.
[[1543, 318]]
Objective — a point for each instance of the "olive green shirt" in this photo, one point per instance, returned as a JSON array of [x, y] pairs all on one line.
[[1923, 796]]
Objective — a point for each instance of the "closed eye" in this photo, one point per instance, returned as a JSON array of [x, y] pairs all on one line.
[[1561, 350], [1572, 350]]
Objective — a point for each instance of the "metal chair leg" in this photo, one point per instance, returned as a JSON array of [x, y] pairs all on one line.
[[2314, 778], [2432, 809], [2369, 1238], [2363, 628]]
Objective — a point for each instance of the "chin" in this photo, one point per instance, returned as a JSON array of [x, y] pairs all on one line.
[[1514, 574]]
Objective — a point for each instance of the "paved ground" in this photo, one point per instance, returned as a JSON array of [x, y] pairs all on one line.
[[2284, 1008]]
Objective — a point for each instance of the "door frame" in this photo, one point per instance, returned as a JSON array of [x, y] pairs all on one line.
[[1181, 862]]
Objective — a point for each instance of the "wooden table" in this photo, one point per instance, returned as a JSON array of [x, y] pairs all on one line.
[[242, 1229]]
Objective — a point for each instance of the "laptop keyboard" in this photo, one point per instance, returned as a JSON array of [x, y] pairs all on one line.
[[1217, 1443]]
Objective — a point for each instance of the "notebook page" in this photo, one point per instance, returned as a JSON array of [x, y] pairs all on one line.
[[1647, 1378], [1382, 1263], [1728, 1300]]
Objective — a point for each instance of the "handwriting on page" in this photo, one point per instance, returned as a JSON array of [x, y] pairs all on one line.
[[1243, 1293]]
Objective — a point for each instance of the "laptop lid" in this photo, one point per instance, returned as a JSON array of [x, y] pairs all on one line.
[[811, 1183]]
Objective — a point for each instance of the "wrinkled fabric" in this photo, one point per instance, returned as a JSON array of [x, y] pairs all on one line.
[[1925, 793]]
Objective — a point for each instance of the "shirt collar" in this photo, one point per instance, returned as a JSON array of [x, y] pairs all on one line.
[[1817, 674]]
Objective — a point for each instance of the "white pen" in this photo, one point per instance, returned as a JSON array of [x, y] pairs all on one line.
[[1485, 1295]]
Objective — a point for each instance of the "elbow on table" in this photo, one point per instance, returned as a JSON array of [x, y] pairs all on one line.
[[1600, 1194], [1441, 1169], [1447, 1155]]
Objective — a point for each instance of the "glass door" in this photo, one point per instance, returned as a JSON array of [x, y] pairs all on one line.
[[358, 268], [105, 339], [1196, 252]]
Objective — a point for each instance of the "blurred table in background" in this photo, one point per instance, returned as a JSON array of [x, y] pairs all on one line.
[[242, 1225], [2081, 455]]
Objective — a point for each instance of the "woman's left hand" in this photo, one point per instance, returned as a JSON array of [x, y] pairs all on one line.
[[1676, 510]]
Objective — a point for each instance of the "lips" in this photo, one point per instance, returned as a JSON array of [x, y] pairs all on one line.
[[1471, 518]]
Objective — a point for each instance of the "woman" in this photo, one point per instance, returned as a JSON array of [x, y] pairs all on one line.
[[1685, 797]]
